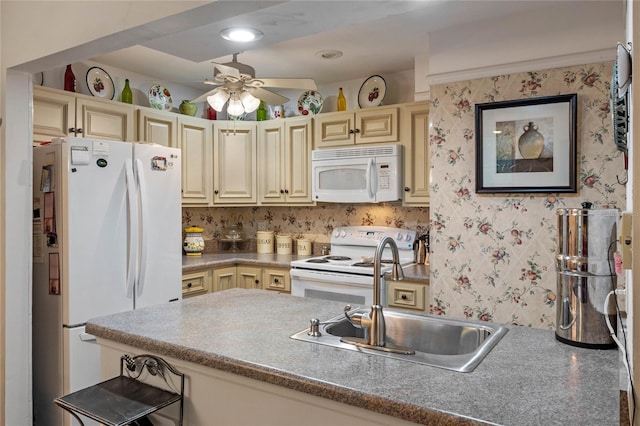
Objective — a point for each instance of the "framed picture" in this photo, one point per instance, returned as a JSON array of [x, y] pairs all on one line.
[[527, 145]]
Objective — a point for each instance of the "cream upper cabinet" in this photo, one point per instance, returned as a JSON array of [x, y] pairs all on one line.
[[235, 163], [193, 136], [415, 138], [371, 125], [284, 152], [57, 113], [157, 127]]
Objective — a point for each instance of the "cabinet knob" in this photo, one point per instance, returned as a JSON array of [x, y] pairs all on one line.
[[351, 131], [282, 191], [275, 280], [189, 285], [215, 191], [407, 189], [257, 282], [286, 191], [79, 131], [403, 297], [72, 129], [356, 131]]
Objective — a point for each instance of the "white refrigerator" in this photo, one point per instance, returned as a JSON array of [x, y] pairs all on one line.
[[107, 239]]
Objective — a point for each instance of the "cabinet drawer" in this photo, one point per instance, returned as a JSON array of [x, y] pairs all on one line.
[[277, 279], [406, 295], [194, 284]]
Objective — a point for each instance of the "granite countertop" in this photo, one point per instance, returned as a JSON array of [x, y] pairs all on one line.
[[414, 272], [529, 378]]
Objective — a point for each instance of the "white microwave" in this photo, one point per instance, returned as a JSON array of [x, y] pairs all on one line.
[[370, 174]]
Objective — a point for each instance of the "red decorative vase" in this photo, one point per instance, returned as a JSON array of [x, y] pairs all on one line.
[[69, 80]]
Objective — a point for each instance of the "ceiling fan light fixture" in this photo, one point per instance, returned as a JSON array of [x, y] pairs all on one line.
[[250, 102], [235, 107], [218, 100], [241, 34]]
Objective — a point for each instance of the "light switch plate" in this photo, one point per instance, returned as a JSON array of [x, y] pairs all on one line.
[[626, 226]]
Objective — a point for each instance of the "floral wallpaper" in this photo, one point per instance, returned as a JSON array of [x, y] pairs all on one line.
[[493, 256], [314, 222]]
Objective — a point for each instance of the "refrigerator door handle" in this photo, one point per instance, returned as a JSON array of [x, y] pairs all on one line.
[[144, 213], [132, 220], [86, 337]]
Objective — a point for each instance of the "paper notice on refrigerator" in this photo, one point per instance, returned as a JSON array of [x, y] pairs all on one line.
[[54, 274], [37, 243]]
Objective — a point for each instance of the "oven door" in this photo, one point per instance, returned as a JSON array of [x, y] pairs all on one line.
[[348, 288]]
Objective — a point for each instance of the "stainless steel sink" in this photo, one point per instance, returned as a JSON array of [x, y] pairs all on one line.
[[457, 345]]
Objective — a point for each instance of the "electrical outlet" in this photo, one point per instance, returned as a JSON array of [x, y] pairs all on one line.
[[624, 239]]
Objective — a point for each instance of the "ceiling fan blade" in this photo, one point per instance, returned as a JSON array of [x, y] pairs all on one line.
[[269, 97], [204, 96], [227, 70], [290, 83]]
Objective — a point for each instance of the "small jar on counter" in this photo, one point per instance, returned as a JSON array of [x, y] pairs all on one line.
[[193, 241]]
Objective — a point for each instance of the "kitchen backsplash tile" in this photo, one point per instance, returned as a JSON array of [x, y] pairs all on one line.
[[313, 222], [493, 256]]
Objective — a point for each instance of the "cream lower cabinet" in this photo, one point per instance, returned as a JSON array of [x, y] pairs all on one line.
[[193, 136], [248, 277], [196, 283], [224, 278], [415, 138], [57, 114], [284, 165], [412, 295], [235, 177], [371, 125], [244, 276]]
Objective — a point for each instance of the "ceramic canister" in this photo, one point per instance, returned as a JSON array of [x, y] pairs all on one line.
[[284, 244], [193, 241], [264, 241], [303, 247]]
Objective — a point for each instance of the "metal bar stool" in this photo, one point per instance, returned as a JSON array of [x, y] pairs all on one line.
[[125, 399]]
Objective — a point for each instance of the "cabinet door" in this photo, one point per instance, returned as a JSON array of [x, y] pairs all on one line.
[[194, 140], [297, 168], [235, 173], [196, 283], [249, 277], [157, 127], [224, 278], [377, 125], [271, 159], [333, 129], [54, 114], [104, 120], [415, 131], [276, 279]]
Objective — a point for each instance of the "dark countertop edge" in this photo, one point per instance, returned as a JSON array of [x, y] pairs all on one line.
[[413, 272], [308, 385]]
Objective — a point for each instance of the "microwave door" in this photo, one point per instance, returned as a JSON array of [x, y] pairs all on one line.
[[340, 181]]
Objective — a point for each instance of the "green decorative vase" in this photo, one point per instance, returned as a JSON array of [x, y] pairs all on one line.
[[188, 108]]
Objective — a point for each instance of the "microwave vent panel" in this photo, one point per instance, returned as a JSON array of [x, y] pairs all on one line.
[[359, 152]]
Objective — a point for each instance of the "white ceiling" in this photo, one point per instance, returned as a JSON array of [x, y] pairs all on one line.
[[376, 37]]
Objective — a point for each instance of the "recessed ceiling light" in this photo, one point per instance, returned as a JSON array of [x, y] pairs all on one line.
[[241, 34], [329, 54]]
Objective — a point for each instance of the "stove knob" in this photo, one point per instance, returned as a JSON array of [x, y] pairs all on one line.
[[399, 236], [343, 234], [408, 237], [336, 233]]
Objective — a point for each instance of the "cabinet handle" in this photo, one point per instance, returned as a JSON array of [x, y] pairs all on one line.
[[407, 189], [189, 285], [215, 191]]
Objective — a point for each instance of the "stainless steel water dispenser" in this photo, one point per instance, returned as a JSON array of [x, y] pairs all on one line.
[[585, 274]]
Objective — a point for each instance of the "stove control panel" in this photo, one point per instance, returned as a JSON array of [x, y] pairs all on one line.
[[371, 236]]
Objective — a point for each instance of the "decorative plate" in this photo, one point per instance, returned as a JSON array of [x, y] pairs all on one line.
[[310, 103], [160, 98], [100, 83], [372, 92]]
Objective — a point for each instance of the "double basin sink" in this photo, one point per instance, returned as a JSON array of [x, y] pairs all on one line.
[[452, 344]]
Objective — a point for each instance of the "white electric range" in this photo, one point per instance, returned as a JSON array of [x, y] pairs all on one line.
[[346, 275]]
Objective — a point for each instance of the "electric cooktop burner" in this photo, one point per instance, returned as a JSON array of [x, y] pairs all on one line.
[[337, 258], [370, 264], [322, 260]]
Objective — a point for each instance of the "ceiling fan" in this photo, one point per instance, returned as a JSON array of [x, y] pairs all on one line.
[[237, 84]]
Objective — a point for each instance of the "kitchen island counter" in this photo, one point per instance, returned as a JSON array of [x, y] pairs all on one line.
[[529, 378]]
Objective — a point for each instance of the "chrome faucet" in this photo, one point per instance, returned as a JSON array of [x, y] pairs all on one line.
[[375, 321]]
